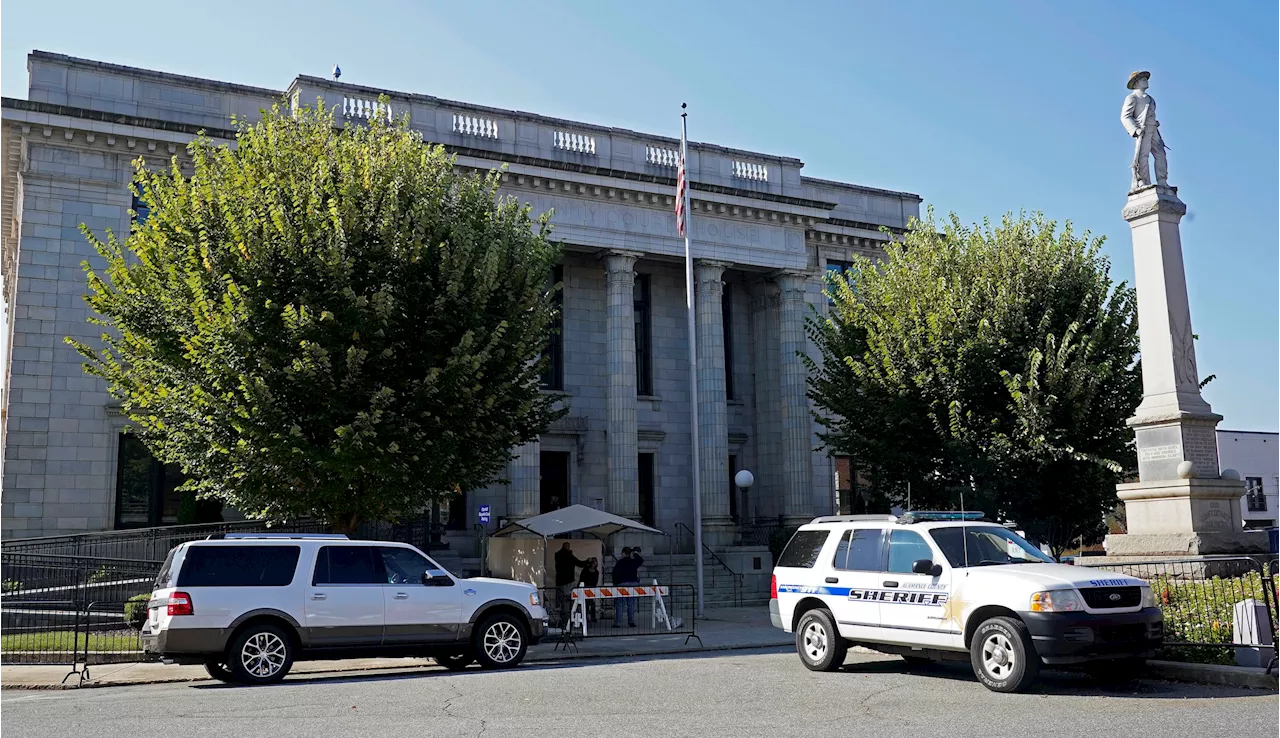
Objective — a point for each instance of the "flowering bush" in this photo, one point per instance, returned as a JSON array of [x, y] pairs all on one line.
[[1200, 613]]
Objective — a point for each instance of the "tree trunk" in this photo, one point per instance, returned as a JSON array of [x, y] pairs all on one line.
[[345, 524]]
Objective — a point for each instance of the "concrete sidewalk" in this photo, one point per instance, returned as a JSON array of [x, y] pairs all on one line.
[[721, 629]]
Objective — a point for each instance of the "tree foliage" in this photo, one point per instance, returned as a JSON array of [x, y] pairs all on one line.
[[326, 322], [998, 362]]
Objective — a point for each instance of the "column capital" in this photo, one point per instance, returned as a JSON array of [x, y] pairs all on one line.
[[712, 267], [791, 284], [620, 261]]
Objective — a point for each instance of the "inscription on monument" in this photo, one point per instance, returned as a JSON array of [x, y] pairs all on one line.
[[1161, 453]]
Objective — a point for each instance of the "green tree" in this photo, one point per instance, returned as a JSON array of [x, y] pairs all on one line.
[[326, 322], [994, 362]]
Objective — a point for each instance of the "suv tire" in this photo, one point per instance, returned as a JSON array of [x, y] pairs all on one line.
[[1003, 656], [261, 653], [455, 661], [501, 641], [219, 671], [819, 643]]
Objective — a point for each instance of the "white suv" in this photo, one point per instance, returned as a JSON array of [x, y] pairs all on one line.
[[248, 606], [932, 586]]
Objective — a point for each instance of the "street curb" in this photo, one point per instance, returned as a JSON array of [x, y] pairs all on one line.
[[1217, 674], [540, 659]]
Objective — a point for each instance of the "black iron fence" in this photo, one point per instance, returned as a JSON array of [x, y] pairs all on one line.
[[1199, 598], [153, 544], [66, 609]]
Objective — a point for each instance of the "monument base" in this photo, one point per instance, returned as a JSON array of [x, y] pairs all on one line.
[[1182, 545], [1182, 507]]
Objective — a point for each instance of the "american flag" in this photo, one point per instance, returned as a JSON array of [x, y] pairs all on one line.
[[680, 193]]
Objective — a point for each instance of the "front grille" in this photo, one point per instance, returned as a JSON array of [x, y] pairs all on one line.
[[1110, 598]]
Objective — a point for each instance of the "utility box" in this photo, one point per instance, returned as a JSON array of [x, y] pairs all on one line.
[[1251, 632]]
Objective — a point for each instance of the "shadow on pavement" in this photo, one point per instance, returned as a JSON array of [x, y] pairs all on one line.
[[432, 671], [1058, 683]]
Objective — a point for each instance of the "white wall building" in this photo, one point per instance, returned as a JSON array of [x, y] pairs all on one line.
[[1255, 455]]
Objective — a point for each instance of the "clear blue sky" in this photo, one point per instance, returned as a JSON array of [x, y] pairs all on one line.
[[980, 107]]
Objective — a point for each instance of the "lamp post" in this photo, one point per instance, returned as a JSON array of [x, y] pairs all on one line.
[[744, 479]]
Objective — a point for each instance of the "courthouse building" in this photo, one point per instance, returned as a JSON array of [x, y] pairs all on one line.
[[763, 234]]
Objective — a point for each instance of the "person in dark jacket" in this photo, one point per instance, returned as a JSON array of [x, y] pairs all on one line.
[[566, 579], [590, 577], [627, 573]]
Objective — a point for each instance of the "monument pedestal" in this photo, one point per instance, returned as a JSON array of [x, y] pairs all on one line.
[[1183, 506]]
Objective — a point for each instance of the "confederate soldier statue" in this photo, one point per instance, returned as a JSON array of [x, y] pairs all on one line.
[[1139, 118]]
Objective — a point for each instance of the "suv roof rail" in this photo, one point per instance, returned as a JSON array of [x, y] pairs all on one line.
[[275, 536], [851, 518], [933, 516]]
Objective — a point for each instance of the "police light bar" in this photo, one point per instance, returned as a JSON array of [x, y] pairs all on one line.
[[925, 516]]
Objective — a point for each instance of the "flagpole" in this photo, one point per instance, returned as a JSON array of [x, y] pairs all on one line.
[[693, 361]]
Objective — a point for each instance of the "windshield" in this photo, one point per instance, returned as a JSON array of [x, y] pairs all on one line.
[[986, 545]]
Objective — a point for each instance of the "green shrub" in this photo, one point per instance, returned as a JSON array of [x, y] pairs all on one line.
[[1202, 612], [778, 540], [135, 610], [11, 585]]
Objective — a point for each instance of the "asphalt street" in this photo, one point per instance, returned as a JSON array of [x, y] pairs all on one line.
[[739, 694]]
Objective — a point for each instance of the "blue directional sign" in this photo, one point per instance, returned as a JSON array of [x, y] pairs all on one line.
[[484, 513]]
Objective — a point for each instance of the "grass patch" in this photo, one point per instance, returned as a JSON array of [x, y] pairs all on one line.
[[66, 640]]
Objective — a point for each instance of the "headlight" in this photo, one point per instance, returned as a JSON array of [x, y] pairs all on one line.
[[1058, 600], [533, 599], [1148, 597]]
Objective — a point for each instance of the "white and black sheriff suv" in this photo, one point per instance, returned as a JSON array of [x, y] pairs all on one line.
[[933, 586]]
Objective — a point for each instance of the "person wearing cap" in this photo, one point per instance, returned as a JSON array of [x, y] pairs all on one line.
[[1139, 118]]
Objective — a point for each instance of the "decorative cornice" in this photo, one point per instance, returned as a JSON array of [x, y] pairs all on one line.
[[569, 425], [1153, 199], [650, 435], [737, 439]]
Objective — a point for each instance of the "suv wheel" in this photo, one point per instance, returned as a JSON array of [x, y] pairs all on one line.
[[1002, 655], [500, 641], [260, 654], [455, 661], [219, 671], [819, 643]]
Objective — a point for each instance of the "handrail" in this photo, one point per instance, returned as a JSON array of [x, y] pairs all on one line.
[[735, 577]]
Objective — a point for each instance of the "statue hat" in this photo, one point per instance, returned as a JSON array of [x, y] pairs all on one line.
[[1133, 78]]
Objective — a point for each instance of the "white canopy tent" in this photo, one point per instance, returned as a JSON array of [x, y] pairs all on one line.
[[515, 552], [574, 519]]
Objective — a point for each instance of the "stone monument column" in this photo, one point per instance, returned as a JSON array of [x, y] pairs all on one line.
[[713, 410], [620, 396], [797, 422], [1181, 504]]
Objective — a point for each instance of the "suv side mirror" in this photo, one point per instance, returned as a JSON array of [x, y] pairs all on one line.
[[925, 566]]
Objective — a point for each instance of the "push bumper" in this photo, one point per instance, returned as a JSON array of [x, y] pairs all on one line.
[[1077, 637], [775, 615]]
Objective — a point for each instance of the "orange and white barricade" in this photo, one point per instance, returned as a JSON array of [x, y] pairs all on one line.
[[578, 614]]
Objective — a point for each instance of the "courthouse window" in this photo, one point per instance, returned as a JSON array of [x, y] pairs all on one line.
[[644, 343], [146, 490], [553, 374]]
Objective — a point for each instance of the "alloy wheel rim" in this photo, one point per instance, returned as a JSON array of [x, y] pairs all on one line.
[[815, 641], [502, 642], [263, 654], [998, 656]]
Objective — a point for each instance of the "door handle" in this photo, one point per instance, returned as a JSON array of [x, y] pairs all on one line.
[[402, 595], [319, 596], [890, 584], [832, 580]]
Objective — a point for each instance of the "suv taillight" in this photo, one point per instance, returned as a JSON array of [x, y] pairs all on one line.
[[773, 587], [180, 604]]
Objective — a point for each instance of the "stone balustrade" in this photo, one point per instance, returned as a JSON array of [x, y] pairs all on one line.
[[364, 108], [579, 143], [750, 170], [474, 125], [662, 156]]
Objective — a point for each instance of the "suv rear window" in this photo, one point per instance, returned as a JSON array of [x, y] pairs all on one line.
[[804, 548], [238, 566]]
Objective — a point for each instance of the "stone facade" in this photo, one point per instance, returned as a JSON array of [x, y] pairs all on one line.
[[763, 234]]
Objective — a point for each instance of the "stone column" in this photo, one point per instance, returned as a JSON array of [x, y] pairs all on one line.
[[624, 494], [797, 424], [1182, 504], [524, 495], [767, 492], [713, 411]]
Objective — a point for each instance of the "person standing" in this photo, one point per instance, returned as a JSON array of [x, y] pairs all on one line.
[[590, 577], [1138, 115], [566, 578], [626, 573]]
